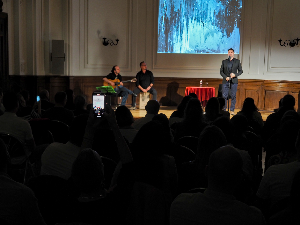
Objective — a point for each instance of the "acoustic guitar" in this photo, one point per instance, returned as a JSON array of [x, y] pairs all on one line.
[[117, 82]]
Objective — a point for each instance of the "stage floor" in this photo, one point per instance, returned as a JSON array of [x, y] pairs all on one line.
[[167, 110]]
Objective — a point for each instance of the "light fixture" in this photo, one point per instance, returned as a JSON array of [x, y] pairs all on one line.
[[107, 41]]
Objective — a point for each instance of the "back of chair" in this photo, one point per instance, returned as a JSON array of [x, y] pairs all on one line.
[[40, 131], [60, 131], [183, 154], [19, 158], [190, 142], [109, 169]]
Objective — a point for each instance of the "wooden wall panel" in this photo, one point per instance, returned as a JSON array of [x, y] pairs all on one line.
[[170, 91]]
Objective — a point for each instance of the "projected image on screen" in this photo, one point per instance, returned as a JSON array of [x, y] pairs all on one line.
[[199, 26]]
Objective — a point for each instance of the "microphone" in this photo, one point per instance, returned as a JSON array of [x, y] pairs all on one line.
[[229, 58]]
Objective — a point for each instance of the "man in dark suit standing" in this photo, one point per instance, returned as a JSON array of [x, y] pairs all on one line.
[[230, 70]]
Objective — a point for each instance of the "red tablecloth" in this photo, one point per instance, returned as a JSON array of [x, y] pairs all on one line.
[[203, 93]]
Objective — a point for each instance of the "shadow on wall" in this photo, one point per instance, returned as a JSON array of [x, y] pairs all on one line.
[[172, 98]]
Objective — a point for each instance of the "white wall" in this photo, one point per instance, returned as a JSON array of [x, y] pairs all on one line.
[[83, 24]]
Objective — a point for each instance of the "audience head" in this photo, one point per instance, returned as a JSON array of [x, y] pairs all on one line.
[[150, 141], [225, 169], [152, 107], [4, 156], [79, 102], [240, 124], [44, 94], [249, 105], [212, 108], [88, 172], [288, 101], [193, 95], [290, 115], [226, 126], [193, 110], [77, 129], [124, 116], [60, 98], [288, 132], [148, 145], [210, 139], [182, 105], [164, 121], [11, 102], [22, 101]]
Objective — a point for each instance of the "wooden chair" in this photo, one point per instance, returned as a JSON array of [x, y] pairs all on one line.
[[109, 169], [190, 142], [20, 168], [183, 154], [59, 130]]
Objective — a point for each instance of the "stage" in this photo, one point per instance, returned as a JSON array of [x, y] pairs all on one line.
[[168, 110]]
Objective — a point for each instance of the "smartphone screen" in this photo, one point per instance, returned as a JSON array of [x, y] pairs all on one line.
[[98, 104], [38, 98]]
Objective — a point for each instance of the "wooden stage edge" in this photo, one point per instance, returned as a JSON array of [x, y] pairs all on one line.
[[168, 110]]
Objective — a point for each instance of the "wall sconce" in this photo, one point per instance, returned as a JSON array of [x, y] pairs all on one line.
[[107, 41], [291, 43]]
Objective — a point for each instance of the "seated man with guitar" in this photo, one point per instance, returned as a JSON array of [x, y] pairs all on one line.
[[114, 79]]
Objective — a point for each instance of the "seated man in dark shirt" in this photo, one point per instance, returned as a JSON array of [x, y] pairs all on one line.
[[144, 83], [113, 79]]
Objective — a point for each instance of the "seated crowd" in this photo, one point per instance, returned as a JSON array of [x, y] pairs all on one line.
[[197, 167]]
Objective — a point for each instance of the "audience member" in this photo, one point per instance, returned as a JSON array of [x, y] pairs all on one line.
[[192, 174], [217, 205], [240, 125], [254, 117], [163, 120], [58, 158], [177, 116], [282, 145], [289, 215], [94, 204], [125, 120], [225, 124], [13, 125], [80, 106], [152, 109], [45, 100], [70, 100], [276, 183], [273, 120], [18, 204], [25, 111], [193, 122], [58, 112], [153, 166], [212, 110]]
